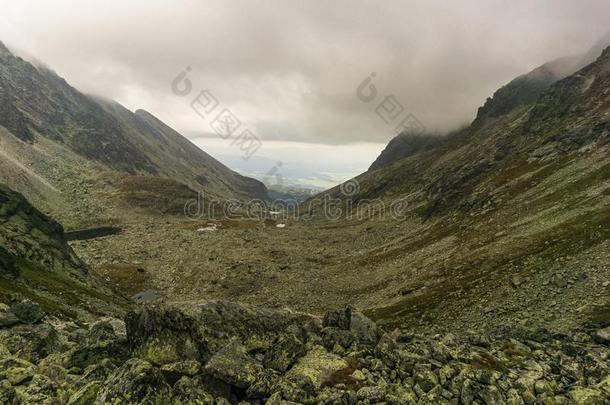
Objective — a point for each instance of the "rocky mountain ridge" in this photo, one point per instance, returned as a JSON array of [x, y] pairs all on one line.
[[47, 119], [521, 91]]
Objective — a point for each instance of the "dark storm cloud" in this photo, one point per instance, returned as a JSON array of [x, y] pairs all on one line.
[[290, 69]]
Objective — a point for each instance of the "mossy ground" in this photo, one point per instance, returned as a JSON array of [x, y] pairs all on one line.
[[59, 294]]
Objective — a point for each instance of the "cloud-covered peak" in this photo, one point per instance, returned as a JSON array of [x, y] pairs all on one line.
[[290, 70]]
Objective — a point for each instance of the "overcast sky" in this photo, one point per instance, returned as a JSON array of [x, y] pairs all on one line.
[[289, 70]]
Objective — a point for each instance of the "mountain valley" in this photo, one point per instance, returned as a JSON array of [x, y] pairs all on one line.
[[471, 268]]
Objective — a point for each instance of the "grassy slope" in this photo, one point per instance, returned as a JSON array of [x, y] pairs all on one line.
[[42, 266], [523, 197]]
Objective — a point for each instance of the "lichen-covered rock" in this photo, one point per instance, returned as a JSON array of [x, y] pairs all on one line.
[[135, 381], [174, 371], [372, 394], [222, 320], [284, 353], [100, 342], [425, 378], [316, 369], [187, 390], [27, 311], [101, 332], [86, 395], [96, 372], [16, 371], [164, 335], [41, 390], [402, 394], [8, 394], [300, 363], [331, 337], [387, 350], [88, 355], [7, 317], [32, 342], [340, 319], [274, 399], [234, 366], [586, 396], [53, 371], [602, 335]]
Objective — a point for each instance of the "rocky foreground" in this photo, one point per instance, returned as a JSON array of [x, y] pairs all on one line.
[[222, 353]]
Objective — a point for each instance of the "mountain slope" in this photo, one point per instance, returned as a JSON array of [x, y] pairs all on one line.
[[507, 222], [41, 110], [37, 263], [403, 146], [521, 91]]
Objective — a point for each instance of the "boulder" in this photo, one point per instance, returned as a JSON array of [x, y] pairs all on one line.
[[16, 370], [234, 366], [54, 371], [316, 369], [32, 342], [586, 396], [96, 372], [222, 320], [7, 263], [8, 394], [188, 391], [602, 336], [387, 350], [366, 332], [372, 394], [101, 332], [135, 381], [340, 319], [163, 335], [332, 336], [264, 385], [284, 353], [7, 317], [174, 371], [426, 379], [86, 395], [40, 390], [27, 311], [91, 354]]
